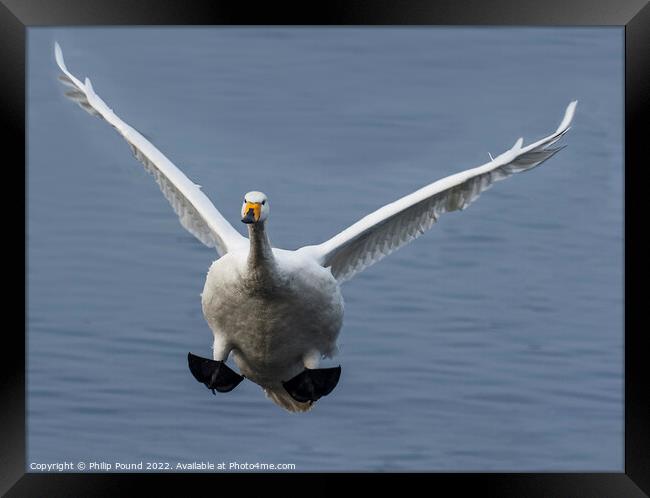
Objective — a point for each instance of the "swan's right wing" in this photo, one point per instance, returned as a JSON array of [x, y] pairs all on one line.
[[195, 211], [380, 233]]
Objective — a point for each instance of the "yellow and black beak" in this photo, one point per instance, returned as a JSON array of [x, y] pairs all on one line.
[[251, 212]]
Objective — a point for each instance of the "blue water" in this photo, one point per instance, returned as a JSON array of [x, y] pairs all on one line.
[[492, 343]]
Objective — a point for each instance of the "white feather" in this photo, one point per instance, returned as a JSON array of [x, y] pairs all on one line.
[[195, 211], [384, 231]]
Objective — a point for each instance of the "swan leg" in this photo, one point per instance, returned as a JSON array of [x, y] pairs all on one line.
[[311, 359], [220, 349], [215, 374], [312, 383]]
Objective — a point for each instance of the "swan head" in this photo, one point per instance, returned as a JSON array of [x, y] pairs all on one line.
[[255, 208]]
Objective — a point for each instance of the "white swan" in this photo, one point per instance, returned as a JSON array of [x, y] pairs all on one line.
[[278, 311]]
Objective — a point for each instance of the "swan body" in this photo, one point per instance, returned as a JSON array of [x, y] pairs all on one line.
[[272, 323], [279, 312]]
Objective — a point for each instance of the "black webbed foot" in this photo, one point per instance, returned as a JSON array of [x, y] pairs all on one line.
[[312, 384], [216, 375]]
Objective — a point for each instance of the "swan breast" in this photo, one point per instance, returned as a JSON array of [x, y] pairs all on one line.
[[272, 327]]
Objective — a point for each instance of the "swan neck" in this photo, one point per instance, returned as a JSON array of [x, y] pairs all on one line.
[[260, 255]]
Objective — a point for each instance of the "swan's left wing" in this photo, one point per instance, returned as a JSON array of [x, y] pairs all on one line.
[[195, 211], [395, 225]]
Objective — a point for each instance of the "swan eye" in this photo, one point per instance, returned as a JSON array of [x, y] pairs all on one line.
[[263, 202]]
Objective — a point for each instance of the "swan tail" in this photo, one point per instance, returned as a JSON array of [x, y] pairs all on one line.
[[282, 398]]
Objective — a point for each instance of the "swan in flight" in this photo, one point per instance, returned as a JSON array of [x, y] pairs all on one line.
[[278, 311]]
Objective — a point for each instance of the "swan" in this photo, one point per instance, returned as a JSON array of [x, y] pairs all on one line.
[[278, 312]]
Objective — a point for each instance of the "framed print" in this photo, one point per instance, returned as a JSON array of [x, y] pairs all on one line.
[[499, 349]]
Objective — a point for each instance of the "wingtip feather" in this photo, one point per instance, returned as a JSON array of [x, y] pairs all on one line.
[[58, 55], [568, 117]]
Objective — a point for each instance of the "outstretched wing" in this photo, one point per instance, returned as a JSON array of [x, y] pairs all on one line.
[[195, 211], [395, 225]]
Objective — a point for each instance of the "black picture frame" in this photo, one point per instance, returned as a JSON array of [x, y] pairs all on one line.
[[17, 15]]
